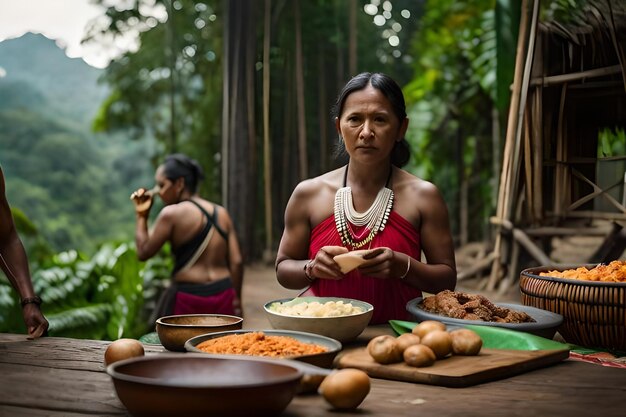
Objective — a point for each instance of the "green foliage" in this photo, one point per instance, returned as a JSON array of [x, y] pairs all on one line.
[[450, 99], [102, 297], [611, 142], [171, 87]]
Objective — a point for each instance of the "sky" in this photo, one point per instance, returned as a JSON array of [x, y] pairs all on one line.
[[61, 20]]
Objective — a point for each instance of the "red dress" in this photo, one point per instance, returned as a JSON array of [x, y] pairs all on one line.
[[388, 296]]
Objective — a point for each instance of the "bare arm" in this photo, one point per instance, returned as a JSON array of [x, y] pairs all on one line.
[[294, 245], [148, 244], [14, 263]]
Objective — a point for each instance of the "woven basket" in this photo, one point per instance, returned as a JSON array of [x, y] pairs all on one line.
[[594, 313]]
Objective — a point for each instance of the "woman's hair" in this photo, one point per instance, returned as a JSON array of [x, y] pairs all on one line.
[[179, 165], [401, 152]]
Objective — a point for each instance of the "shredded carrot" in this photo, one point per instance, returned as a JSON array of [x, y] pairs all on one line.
[[259, 344], [613, 272]]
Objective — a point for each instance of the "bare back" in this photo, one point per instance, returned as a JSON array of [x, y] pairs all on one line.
[[212, 264]]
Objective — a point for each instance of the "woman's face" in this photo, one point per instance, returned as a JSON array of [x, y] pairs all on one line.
[[368, 125], [168, 190]]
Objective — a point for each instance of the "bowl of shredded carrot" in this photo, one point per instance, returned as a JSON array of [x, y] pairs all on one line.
[[279, 344], [589, 297]]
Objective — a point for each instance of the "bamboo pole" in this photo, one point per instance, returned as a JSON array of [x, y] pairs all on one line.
[[513, 168], [561, 158], [508, 141], [267, 157], [575, 76]]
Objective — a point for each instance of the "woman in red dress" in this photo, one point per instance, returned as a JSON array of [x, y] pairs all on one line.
[[370, 203]]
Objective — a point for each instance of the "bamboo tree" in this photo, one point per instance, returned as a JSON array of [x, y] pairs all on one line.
[[302, 150], [267, 157]]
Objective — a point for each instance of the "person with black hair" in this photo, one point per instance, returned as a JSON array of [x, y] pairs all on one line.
[[14, 263], [369, 204], [208, 264]]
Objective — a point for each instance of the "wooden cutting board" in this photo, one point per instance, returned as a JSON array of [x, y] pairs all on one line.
[[456, 371]]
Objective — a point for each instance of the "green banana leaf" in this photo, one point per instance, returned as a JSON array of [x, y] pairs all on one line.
[[497, 337]]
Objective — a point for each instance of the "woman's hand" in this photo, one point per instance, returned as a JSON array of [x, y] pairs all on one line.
[[324, 266], [142, 199], [384, 263], [36, 323]]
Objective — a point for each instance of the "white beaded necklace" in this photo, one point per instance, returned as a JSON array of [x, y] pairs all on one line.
[[374, 218]]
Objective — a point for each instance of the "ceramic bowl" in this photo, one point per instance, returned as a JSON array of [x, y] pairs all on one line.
[[343, 328], [170, 384], [174, 331], [545, 325], [324, 360]]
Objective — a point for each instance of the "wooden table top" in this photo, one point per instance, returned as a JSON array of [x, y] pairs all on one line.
[[61, 376]]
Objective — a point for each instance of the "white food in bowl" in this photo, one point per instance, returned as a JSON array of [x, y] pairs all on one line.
[[316, 309]]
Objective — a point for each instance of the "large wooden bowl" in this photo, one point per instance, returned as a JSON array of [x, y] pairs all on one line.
[[594, 313], [171, 384]]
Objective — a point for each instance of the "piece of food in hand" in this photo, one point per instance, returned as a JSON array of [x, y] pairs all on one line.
[[428, 326], [384, 349], [465, 342], [345, 389], [407, 339], [439, 341], [122, 349], [142, 198], [351, 260], [419, 356]]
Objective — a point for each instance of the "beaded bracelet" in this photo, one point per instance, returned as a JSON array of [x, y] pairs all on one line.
[[408, 266], [307, 271], [31, 300]]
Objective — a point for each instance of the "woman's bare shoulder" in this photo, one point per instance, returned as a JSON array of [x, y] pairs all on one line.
[[408, 182], [311, 187]]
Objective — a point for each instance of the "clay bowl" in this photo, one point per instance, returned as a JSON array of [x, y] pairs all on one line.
[[344, 328], [171, 384], [323, 360], [174, 331]]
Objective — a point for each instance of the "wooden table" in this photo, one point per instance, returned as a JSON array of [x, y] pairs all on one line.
[[66, 377]]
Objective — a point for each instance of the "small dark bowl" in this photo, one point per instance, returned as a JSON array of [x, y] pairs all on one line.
[[175, 330], [545, 325], [171, 384], [324, 359]]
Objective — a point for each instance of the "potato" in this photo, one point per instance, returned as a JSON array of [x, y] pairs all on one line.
[[384, 349], [439, 341], [428, 326], [345, 389], [122, 349], [465, 342], [405, 340], [419, 356]]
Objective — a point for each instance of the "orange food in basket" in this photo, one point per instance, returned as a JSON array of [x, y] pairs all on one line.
[[259, 344], [613, 272]]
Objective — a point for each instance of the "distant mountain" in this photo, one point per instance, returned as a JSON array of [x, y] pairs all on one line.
[[71, 183], [69, 85]]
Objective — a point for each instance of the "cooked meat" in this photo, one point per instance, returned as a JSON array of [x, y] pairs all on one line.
[[465, 306]]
